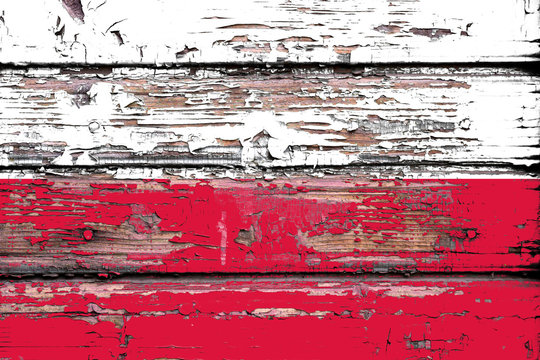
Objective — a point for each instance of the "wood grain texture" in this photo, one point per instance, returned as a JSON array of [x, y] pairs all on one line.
[[348, 31], [276, 117], [339, 224], [326, 318], [237, 179]]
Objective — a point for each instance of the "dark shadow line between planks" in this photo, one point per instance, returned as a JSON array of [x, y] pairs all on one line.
[[533, 169], [533, 67], [282, 276]]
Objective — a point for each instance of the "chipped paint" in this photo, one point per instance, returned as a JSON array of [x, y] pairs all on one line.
[[270, 317], [268, 118], [166, 152], [339, 224], [370, 31]]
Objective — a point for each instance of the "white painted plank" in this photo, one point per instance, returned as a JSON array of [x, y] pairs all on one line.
[[269, 118], [245, 31]]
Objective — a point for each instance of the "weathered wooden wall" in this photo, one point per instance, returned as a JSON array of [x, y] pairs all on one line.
[[270, 179]]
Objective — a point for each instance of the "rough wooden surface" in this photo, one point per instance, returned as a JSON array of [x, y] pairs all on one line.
[[64, 225], [244, 31], [437, 318], [221, 173], [256, 117]]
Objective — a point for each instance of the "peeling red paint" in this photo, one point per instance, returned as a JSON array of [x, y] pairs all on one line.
[[302, 225], [389, 319]]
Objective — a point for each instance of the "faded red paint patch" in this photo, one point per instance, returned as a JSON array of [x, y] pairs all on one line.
[[302, 225]]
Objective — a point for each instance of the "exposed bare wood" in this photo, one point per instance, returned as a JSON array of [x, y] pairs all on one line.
[[320, 317], [288, 179], [268, 117], [92, 225]]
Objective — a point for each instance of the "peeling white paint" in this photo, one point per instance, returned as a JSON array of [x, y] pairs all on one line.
[[494, 119], [243, 31]]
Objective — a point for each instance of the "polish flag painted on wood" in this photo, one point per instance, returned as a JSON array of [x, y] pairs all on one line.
[[288, 180]]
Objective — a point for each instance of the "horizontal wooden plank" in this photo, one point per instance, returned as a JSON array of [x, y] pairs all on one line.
[[255, 117], [270, 318], [348, 31], [336, 223]]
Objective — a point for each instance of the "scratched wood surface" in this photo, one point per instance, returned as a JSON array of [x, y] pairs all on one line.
[[335, 223], [244, 31], [259, 117], [269, 179], [436, 318]]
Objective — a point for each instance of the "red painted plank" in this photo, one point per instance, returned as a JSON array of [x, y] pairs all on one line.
[[271, 318], [302, 224]]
